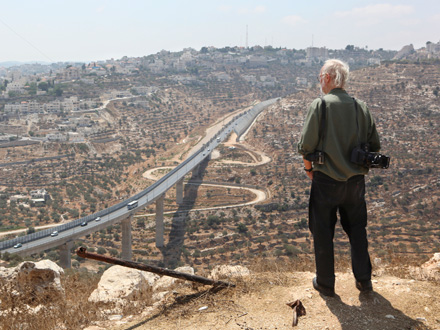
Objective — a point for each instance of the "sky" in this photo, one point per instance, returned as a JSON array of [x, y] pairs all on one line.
[[91, 30]]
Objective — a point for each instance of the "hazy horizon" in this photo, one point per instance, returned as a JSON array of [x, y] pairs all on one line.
[[84, 31]]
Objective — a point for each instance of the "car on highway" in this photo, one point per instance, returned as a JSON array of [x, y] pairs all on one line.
[[98, 219], [84, 223], [18, 245], [55, 233]]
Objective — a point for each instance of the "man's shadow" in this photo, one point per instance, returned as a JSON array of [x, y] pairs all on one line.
[[172, 252], [375, 312]]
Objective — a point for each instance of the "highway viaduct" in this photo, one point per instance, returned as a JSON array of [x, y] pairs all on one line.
[[123, 211]]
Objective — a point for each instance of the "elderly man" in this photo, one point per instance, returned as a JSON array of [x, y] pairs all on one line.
[[337, 183]]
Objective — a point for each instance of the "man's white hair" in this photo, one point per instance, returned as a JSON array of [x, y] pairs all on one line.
[[337, 70]]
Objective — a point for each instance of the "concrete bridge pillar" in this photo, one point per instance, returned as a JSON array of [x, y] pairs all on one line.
[[195, 172], [159, 222], [126, 238], [65, 255], [179, 191]]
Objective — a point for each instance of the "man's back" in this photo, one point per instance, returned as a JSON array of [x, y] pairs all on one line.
[[341, 134]]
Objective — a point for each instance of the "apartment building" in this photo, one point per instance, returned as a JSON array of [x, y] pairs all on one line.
[[319, 53]]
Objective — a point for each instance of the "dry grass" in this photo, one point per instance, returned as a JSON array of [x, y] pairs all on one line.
[[23, 309], [26, 310]]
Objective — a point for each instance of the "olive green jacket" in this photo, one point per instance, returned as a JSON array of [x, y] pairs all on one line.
[[341, 134]]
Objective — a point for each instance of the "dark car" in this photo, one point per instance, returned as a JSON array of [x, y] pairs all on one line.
[[84, 223]]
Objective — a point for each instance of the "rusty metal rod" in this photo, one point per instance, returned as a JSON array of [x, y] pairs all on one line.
[[82, 252]]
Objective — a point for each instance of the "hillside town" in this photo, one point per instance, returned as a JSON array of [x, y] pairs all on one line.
[[79, 132], [76, 138]]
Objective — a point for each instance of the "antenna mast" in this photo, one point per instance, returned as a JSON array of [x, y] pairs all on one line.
[[247, 36]]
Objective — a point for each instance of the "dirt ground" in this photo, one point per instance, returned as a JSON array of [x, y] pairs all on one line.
[[260, 302]]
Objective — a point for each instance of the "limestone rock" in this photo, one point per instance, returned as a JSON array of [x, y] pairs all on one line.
[[6, 273], [35, 281], [432, 267], [120, 283], [167, 283], [228, 271], [39, 276], [430, 270]]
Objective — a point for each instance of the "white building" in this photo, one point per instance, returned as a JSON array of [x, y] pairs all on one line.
[[250, 78], [39, 193], [433, 48], [58, 136], [15, 86], [373, 61], [70, 73], [222, 76], [319, 53]]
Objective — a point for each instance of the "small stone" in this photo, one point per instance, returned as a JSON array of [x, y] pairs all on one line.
[[377, 261], [389, 316], [115, 317], [421, 319], [203, 308]]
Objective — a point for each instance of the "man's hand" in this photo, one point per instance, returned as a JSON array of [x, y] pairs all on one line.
[[307, 165]]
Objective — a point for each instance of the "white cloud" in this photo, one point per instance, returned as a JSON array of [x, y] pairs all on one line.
[[379, 11], [293, 20], [435, 18], [260, 9]]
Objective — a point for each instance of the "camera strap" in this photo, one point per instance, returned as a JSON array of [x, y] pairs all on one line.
[[357, 120], [321, 133]]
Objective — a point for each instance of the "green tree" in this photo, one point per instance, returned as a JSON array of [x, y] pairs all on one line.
[[44, 86], [32, 88], [58, 91], [242, 228]]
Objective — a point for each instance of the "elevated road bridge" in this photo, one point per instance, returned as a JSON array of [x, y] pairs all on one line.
[[64, 235]]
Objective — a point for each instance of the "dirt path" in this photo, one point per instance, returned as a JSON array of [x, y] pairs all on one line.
[[260, 194], [260, 303]]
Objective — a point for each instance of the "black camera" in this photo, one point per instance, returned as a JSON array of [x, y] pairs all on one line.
[[317, 157], [361, 155]]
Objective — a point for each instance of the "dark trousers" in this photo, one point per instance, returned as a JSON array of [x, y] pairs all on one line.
[[326, 197]]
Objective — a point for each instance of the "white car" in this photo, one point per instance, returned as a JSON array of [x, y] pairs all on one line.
[[98, 219], [18, 245], [55, 233]]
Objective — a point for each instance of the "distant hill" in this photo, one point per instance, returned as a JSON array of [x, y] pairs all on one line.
[[8, 64]]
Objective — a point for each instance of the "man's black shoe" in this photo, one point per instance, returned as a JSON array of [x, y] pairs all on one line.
[[325, 291], [364, 286]]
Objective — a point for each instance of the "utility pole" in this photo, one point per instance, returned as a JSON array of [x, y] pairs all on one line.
[[247, 45]]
